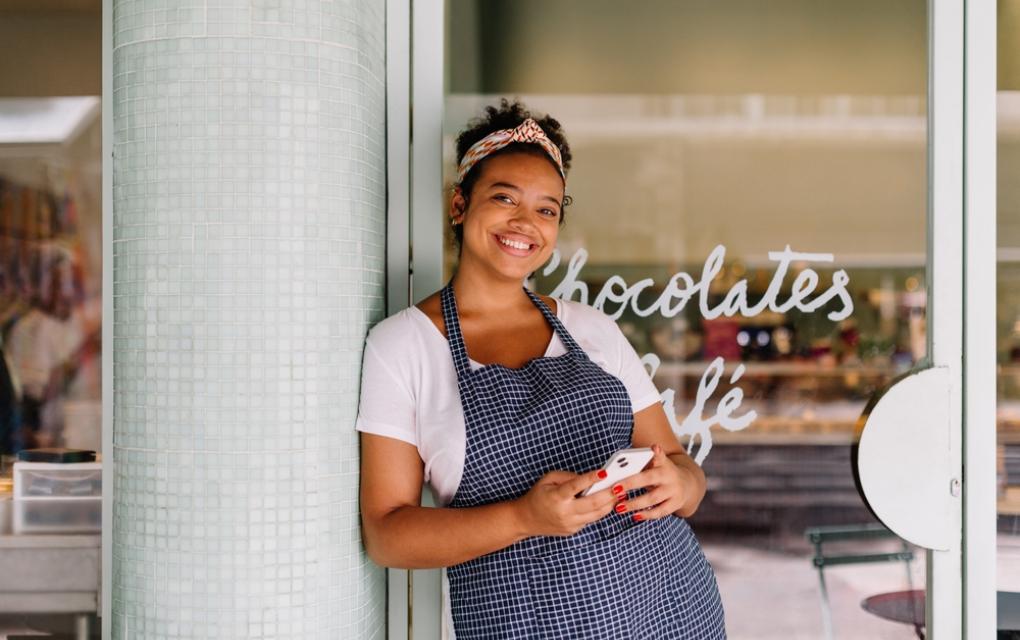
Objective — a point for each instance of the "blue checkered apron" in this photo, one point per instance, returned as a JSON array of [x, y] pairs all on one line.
[[615, 578]]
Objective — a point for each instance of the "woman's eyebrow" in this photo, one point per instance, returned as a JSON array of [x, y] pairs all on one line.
[[507, 185], [504, 185], [516, 188]]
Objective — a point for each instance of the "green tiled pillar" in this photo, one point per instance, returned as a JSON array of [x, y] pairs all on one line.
[[248, 224]]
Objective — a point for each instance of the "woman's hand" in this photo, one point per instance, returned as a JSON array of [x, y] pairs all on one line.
[[550, 507], [669, 489]]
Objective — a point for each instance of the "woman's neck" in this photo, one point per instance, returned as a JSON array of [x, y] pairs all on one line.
[[479, 294]]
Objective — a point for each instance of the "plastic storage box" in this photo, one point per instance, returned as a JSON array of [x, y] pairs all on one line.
[[57, 498]]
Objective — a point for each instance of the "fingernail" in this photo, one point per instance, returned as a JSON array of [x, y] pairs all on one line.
[[620, 508], [621, 497], [602, 473], [618, 488], [638, 517]]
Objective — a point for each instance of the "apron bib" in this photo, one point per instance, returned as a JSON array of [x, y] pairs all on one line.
[[615, 578]]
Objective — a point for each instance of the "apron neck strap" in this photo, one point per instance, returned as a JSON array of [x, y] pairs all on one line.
[[561, 331], [451, 320]]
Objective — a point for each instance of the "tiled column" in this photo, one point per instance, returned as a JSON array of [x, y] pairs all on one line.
[[249, 203]]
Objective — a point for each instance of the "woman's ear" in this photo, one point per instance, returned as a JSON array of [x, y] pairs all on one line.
[[458, 206]]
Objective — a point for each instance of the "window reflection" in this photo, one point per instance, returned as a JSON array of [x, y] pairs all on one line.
[[50, 277]]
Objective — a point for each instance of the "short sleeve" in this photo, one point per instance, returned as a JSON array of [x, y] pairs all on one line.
[[387, 405], [633, 374]]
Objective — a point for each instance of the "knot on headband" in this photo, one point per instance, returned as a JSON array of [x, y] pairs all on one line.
[[527, 131]]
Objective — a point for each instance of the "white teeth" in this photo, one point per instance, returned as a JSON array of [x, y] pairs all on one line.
[[516, 245]]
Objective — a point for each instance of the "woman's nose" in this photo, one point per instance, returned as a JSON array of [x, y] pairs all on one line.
[[523, 215]]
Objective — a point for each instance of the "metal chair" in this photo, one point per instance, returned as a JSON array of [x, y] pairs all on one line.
[[818, 536]]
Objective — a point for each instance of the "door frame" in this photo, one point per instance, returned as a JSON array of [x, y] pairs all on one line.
[[414, 236], [977, 316]]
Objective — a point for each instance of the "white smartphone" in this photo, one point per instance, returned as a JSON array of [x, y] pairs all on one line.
[[622, 464]]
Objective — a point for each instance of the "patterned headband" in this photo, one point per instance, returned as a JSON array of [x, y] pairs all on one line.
[[527, 131]]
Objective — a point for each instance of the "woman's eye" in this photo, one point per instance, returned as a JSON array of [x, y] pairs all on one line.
[[550, 212], [504, 198]]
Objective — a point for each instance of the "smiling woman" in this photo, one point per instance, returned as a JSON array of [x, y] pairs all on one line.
[[508, 409], [519, 221]]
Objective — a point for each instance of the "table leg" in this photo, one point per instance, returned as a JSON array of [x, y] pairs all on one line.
[[81, 626]]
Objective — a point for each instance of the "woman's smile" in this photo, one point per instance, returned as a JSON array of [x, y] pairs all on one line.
[[515, 244]]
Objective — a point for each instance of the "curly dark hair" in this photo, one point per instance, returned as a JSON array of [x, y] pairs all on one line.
[[507, 116]]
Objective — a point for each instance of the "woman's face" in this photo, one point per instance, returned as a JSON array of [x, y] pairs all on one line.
[[513, 216]]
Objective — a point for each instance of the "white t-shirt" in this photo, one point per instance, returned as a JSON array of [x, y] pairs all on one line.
[[409, 389]]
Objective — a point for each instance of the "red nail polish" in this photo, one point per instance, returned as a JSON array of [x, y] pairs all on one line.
[[638, 517], [620, 508], [602, 473], [621, 497], [618, 488]]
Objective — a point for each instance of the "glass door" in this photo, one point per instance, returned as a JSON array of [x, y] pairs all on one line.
[[1005, 534], [767, 204]]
